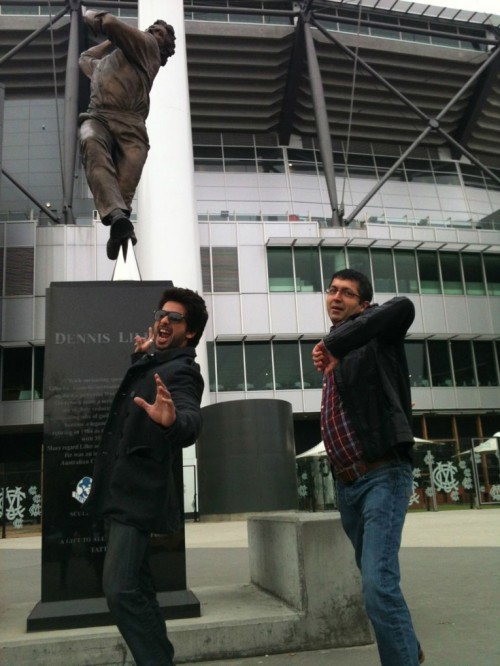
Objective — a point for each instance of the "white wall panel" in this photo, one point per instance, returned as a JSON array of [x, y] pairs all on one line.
[[418, 322], [443, 398], [20, 234], [312, 400], [422, 398], [494, 308], [467, 398], [433, 314], [489, 398], [250, 233], [480, 315], [227, 314], [255, 314], [310, 312], [49, 267], [203, 231], [283, 315], [253, 269], [39, 318], [457, 317], [223, 234], [18, 319], [81, 262]]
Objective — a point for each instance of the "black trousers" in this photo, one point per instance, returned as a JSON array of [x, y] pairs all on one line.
[[129, 590]]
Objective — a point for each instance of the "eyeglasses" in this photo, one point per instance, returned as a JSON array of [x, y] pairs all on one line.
[[174, 317], [345, 292]]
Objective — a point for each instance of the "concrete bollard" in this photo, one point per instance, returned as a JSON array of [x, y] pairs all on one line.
[[306, 560]]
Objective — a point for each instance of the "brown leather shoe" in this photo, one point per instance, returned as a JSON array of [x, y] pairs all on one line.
[[421, 656]]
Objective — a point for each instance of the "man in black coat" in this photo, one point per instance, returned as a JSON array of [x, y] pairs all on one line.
[[155, 412], [366, 428]]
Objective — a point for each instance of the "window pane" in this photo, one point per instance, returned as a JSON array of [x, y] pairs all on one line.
[[19, 271], [258, 366], [39, 365], [359, 260], [16, 383], [206, 275], [280, 268], [485, 363], [473, 274], [406, 272], [239, 159], [301, 161], [208, 158], [332, 260], [492, 268], [225, 269], [383, 271], [307, 273], [461, 353], [440, 363], [287, 365], [230, 366], [211, 365], [312, 378], [429, 272], [417, 363], [451, 273], [270, 160]]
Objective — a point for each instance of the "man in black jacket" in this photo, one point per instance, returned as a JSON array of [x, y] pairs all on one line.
[[155, 412], [366, 428]]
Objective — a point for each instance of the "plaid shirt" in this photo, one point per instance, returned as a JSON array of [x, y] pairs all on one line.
[[340, 440]]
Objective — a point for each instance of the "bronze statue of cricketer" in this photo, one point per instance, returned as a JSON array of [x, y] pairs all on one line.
[[113, 136]]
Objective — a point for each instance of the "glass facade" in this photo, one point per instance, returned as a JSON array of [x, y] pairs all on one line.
[[22, 373], [447, 194], [287, 364], [392, 271]]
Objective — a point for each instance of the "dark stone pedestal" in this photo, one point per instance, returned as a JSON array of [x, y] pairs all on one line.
[[90, 334]]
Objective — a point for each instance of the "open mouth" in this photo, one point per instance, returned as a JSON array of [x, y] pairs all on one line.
[[163, 333]]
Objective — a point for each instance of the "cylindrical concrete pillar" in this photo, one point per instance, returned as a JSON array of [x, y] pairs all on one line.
[[246, 458], [167, 226]]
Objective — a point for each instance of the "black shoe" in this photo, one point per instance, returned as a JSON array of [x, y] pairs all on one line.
[[421, 656], [115, 215], [122, 230]]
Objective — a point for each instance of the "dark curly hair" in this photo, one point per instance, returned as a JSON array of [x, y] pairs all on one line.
[[196, 310], [168, 48]]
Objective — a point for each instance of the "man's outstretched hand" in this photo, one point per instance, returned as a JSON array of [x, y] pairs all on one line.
[[162, 411]]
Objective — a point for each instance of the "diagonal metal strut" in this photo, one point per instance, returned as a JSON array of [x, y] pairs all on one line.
[[433, 123]]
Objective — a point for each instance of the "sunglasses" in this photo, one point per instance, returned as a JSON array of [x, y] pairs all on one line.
[[173, 317]]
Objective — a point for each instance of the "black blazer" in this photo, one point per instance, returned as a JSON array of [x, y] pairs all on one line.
[[132, 480], [372, 375]]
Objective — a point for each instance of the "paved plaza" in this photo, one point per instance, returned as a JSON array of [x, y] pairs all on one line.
[[450, 569]]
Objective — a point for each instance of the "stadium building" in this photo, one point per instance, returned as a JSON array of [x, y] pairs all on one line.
[[325, 134]]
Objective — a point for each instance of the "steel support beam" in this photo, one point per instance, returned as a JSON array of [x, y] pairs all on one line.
[[30, 196], [71, 111], [322, 124], [433, 123], [33, 36], [295, 71]]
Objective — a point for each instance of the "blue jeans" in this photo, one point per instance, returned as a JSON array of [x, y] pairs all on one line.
[[129, 590], [373, 510]]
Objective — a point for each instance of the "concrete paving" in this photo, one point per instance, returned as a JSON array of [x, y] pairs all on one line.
[[450, 570]]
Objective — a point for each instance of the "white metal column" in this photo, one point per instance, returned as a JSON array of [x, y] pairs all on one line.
[[167, 228], [168, 246]]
